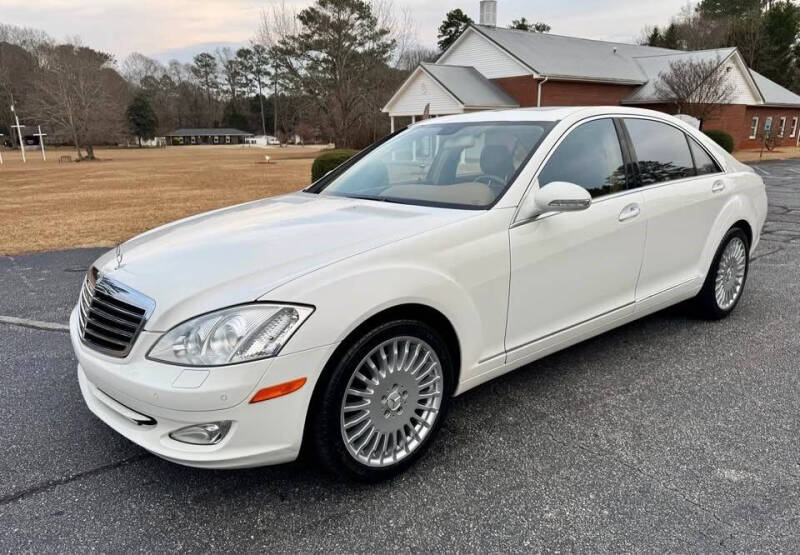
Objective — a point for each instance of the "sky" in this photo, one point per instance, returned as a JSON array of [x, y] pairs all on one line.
[[166, 29]]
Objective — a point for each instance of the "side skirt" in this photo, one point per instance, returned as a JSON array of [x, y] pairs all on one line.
[[520, 356]]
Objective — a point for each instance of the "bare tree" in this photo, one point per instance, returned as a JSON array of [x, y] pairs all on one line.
[[24, 37], [77, 89], [696, 87], [138, 67]]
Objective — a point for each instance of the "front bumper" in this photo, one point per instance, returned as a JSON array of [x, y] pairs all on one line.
[[269, 432]]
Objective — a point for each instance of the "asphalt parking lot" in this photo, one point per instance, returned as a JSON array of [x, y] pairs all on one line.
[[669, 434]]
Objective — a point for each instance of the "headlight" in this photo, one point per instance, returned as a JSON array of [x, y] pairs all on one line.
[[236, 334]]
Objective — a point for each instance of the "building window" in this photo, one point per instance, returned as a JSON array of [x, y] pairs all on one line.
[[794, 127], [753, 128], [781, 126], [767, 125]]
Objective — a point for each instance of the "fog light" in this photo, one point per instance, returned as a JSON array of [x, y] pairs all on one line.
[[210, 433]]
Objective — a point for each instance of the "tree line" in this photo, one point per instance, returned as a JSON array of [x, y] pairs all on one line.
[[322, 73], [766, 32]]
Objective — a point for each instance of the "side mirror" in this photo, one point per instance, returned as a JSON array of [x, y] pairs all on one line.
[[556, 196]]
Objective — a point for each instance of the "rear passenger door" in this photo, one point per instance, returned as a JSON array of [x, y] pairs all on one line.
[[683, 190]]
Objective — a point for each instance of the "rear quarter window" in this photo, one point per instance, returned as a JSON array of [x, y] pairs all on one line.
[[703, 163]]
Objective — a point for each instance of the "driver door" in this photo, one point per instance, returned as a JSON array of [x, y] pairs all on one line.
[[573, 273]]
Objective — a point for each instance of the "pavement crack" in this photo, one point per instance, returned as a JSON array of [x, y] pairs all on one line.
[[52, 484], [763, 254]]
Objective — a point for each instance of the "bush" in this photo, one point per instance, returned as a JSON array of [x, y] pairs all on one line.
[[722, 138], [330, 160]]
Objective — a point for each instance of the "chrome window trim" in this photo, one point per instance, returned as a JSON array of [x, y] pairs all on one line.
[[618, 194]]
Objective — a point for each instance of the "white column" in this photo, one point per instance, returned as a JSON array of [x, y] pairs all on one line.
[[391, 119]]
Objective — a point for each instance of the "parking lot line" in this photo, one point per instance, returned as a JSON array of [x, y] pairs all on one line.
[[36, 324]]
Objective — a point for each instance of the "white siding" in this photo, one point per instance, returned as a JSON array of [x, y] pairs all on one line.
[[473, 49], [743, 93], [420, 90]]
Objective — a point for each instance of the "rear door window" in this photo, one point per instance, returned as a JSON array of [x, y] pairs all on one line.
[[661, 150]]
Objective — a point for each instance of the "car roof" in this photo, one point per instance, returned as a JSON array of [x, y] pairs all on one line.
[[550, 113]]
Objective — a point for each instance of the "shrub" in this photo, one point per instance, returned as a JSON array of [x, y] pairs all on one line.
[[722, 138], [330, 160]]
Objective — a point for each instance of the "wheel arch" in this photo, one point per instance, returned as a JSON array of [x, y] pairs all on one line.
[[745, 226], [410, 311], [737, 213]]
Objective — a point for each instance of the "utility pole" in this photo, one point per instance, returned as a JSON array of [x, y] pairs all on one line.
[[275, 104], [19, 130], [41, 141]]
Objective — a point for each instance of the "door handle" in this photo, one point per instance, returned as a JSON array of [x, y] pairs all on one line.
[[629, 212], [718, 186]]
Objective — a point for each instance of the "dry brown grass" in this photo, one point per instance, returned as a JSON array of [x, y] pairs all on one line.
[[47, 205]]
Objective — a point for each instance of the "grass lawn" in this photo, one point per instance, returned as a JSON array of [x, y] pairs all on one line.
[[48, 205]]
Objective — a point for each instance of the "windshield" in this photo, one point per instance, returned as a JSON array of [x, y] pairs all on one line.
[[461, 165]]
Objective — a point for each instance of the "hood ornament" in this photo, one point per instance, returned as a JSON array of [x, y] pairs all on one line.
[[118, 255]]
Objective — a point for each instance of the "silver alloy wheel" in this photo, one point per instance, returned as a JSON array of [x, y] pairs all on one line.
[[391, 401], [730, 273]]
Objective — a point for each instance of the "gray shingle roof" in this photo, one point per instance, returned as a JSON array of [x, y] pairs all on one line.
[[560, 56], [773, 93], [653, 66], [189, 132], [469, 86]]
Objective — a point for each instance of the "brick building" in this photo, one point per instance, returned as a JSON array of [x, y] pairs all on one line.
[[492, 68]]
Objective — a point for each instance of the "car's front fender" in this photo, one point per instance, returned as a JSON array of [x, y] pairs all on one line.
[[462, 273]]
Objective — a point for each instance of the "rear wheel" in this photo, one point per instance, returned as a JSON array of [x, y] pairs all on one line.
[[726, 278], [384, 402]]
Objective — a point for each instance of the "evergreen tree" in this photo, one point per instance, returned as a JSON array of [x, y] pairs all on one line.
[[335, 60], [455, 22], [142, 119], [523, 24]]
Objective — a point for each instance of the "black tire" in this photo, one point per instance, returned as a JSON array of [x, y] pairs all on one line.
[[706, 302], [326, 432]]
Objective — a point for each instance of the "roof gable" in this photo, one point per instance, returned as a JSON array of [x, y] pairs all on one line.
[[469, 87], [419, 90], [653, 66], [448, 90], [474, 49]]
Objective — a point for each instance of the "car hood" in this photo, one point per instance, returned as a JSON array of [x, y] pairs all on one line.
[[239, 254]]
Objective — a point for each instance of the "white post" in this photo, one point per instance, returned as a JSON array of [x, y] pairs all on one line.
[[391, 119], [41, 141], [19, 134], [1, 148]]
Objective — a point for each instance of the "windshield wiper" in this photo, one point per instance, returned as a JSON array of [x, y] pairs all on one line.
[[375, 197]]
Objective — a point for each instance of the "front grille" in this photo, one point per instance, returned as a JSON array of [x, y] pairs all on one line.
[[111, 315]]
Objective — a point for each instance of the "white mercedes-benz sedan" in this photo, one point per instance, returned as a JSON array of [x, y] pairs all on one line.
[[343, 318]]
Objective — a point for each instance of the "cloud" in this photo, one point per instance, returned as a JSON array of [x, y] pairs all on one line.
[[162, 27]]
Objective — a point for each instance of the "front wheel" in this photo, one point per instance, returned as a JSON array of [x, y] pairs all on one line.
[[726, 278], [384, 402]]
